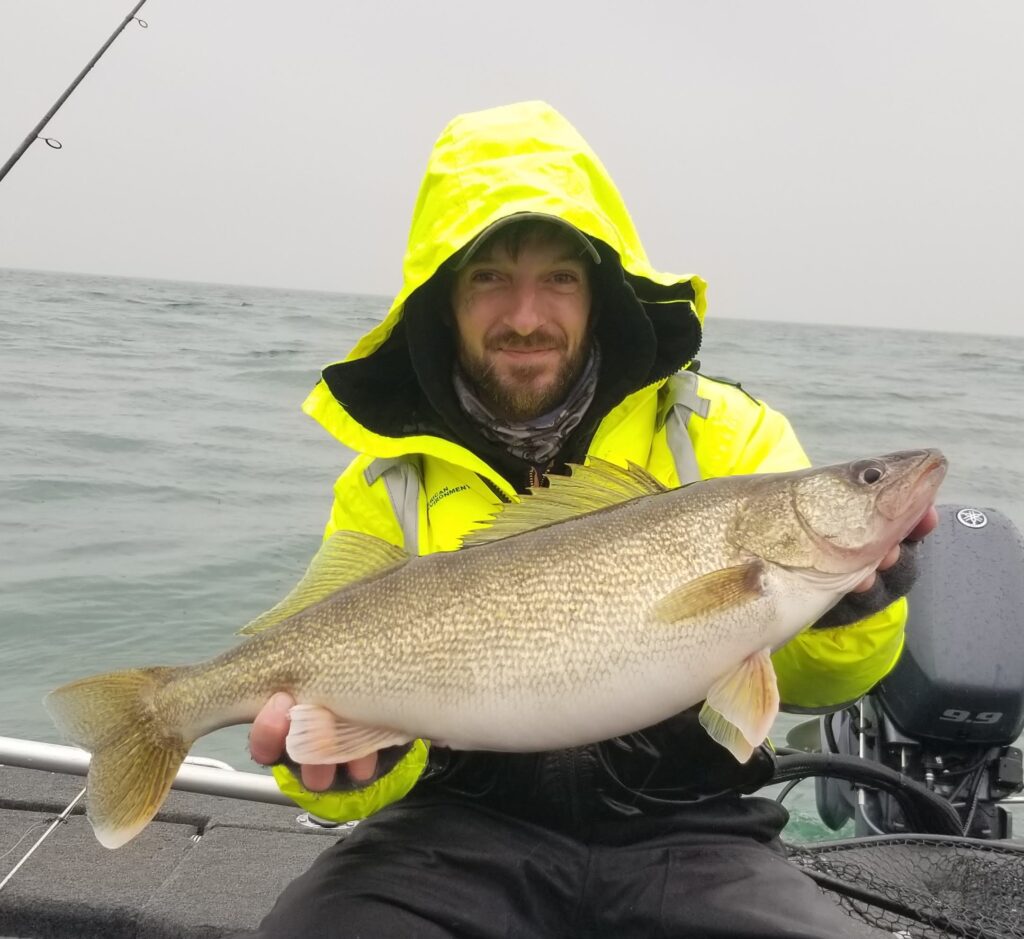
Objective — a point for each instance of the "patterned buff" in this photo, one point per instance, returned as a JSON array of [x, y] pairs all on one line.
[[537, 440]]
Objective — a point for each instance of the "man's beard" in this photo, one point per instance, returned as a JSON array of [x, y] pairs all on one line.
[[513, 395]]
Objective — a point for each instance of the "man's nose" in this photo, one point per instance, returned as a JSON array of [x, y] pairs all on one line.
[[525, 314]]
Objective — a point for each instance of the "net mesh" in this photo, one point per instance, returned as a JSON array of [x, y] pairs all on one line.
[[923, 886]]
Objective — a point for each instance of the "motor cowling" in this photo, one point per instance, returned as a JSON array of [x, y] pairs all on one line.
[[961, 675]]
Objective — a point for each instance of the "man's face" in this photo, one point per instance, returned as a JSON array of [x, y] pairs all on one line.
[[522, 325]]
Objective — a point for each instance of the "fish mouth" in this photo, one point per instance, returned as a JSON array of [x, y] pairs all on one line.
[[908, 499], [912, 496]]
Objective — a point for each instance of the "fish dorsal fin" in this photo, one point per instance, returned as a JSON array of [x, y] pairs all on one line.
[[593, 486], [345, 558]]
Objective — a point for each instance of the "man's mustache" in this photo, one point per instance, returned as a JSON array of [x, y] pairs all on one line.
[[535, 340]]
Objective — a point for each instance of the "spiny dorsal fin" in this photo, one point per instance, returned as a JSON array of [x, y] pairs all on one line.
[[596, 485], [344, 558]]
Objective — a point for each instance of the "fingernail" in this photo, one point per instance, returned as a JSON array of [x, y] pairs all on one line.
[[281, 702], [363, 768]]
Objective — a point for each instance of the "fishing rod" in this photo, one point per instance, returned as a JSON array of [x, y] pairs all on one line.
[[36, 131]]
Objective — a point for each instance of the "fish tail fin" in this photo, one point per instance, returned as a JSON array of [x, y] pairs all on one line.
[[134, 757]]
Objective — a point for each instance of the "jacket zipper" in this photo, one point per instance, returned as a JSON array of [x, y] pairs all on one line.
[[537, 477], [662, 378]]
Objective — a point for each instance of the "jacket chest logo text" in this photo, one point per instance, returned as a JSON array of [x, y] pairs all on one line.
[[443, 493]]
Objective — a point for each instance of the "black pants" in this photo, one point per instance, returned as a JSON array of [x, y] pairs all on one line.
[[433, 869]]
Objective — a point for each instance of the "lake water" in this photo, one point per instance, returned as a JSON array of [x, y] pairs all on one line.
[[159, 485]]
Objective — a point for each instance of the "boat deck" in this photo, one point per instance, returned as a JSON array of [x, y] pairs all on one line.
[[206, 866], [213, 865]]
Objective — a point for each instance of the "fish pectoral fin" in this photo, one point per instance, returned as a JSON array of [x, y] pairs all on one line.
[[599, 484], [318, 735], [345, 558], [741, 706], [717, 590]]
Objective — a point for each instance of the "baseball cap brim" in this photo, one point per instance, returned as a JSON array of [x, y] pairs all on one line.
[[586, 245]]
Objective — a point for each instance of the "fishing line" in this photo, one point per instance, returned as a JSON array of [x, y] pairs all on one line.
[[36, 132], [63, 817], [31, 828]]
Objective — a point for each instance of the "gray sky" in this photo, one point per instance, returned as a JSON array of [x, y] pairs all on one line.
[[815, 161]]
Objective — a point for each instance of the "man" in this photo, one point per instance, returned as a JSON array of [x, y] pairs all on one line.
[[532, 332]]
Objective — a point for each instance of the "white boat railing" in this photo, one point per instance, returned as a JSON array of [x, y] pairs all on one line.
[[192, 777]]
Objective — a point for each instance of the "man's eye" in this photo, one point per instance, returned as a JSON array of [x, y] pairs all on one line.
[[484, 277], [565, 277]]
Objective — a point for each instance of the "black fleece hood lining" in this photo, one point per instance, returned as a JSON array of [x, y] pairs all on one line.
[[403, 388]]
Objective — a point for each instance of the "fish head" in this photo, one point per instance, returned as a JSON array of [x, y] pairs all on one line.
[[839, 519]]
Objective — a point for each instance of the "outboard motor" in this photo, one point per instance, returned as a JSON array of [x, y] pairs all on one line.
[[950, 711]]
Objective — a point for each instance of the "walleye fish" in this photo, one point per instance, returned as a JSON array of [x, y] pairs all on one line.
[[592, 608]]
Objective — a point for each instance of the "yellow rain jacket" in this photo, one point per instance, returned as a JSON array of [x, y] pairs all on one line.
[[412, 479]]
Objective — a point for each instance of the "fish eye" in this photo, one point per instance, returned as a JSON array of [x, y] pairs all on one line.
[[868, 471]]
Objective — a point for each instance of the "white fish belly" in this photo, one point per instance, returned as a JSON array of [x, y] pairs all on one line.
[[633, 701]]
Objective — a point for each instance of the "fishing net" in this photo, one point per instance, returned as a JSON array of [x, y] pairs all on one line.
[[923, 886]]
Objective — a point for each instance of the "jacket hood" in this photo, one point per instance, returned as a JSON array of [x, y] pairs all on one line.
[[485, 167], [522, 157]]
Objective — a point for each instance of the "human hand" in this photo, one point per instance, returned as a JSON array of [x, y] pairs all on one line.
[[924, 527], [266, 745]]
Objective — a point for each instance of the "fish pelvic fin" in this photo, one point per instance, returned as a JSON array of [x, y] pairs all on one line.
[[712, 592], [134, 761], [345, 558], [318, 735], [596, 485], [742, 705]]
